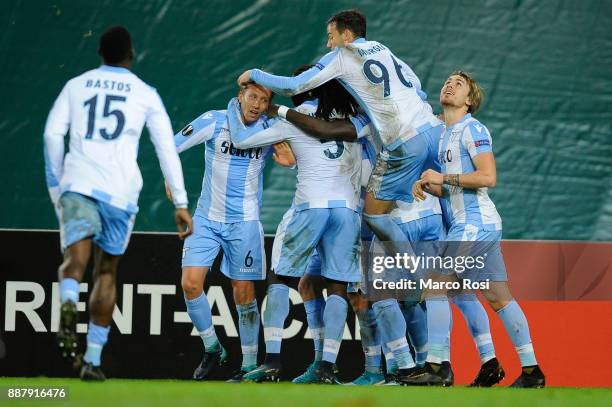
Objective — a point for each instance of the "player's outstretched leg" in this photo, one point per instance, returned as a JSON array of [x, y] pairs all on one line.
[[473, 312], [70, 273], [198, 310], [248, 323], [277, 309]]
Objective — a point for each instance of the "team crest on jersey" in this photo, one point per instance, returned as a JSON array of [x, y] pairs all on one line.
[[187, 130]]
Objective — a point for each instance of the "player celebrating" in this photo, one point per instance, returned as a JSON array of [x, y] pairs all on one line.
[[95, 187], [468, 169], [324, 215], [389, 91], [227, 217]]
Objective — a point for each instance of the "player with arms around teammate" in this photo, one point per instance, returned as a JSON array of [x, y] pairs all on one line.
[[324, 216], [95, 186], [390, 93], [227, 217], [475, 227]]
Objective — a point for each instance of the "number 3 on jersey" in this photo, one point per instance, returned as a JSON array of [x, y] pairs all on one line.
[[91, 117], [382, 76]]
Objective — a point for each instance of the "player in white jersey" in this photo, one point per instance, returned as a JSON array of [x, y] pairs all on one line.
[[389, 91], [227, 217], [468, 170], [324, 216], [95, 186]]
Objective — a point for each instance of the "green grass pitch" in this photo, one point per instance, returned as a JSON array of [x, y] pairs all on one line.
[[121, 392]]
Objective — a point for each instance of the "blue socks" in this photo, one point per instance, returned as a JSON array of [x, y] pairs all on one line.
[[415, 315], [314, 316], [277, 309], [393, 331], [248, 324], [69, 290], [516, 325], [334, 318], [370, 340], [389, 359], [199, 312], [96, 339], [439, 319], [478, 323]]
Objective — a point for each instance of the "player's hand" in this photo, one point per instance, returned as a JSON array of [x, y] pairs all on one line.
[[184, 223], [244, 78], [283, 155], [418, 190], [272, 110], [432, 177], [168, 192]]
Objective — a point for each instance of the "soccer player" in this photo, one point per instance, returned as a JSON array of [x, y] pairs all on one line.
[[468, 170], [227, 217], [95, 186], [389, 91], [324, 215]]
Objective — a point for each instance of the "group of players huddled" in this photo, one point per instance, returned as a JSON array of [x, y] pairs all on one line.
[[374, 165]]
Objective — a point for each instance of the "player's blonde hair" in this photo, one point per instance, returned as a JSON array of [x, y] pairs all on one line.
[[476, 93]]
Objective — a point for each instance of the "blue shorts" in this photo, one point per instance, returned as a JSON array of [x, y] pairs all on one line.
[[482, 245], [83, 217], [244, 257], [397, 170], [333, 232]]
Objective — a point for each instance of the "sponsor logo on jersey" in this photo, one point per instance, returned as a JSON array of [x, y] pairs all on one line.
[[479, 143], [227, 147]]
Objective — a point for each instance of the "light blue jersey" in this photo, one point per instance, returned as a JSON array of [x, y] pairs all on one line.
[[458, 146], [232, 188], [385, 87]]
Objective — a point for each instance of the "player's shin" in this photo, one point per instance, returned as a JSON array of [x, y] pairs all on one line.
[[97, 336], [370, 340], [393, 330], [415, 315], [314, 316], [439, 319], [517, 327], [334, 319], [478, 322], [200, 314], [248, 322], [277, 309]]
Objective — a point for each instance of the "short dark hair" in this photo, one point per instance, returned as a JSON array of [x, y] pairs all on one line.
[[352, 20], [115, 45]]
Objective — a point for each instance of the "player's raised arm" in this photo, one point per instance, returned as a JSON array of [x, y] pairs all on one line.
[[200, 130], [329, 67], [56, 128], [262, 133]]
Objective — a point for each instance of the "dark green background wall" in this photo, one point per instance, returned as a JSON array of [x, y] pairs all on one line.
[[546, 66]]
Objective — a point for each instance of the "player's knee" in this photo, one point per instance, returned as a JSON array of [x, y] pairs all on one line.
[[358, 302], [192, 287], [305, 286], [244, 291]]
